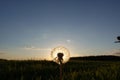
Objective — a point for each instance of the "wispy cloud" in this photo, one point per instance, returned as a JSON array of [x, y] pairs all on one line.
[[115, 52], [68, 41], [35, 48], [1, 53]]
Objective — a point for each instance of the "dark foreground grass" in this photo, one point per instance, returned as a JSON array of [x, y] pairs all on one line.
[[47, 70]]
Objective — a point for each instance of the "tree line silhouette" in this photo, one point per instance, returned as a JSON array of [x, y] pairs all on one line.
[[98, 58]]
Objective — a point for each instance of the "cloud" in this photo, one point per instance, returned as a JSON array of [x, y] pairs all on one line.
[[68, 41], [34, 48], [115, 52], [1, 53]]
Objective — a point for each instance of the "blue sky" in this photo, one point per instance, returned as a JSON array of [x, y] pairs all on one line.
[[29, 29]]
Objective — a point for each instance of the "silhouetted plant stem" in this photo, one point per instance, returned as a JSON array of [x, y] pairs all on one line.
[[60, 71]]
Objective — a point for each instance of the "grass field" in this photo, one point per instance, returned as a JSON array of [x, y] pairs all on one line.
[[48, 70]]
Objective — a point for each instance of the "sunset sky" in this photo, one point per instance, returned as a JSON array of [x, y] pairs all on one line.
[[29, 29]]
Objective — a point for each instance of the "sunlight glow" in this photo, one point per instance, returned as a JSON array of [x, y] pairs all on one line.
[[60, 49]]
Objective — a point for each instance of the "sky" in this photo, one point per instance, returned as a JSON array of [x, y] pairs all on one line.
[[30, 29]]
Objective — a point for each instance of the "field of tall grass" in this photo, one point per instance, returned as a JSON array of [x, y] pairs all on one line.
[[48, 70]]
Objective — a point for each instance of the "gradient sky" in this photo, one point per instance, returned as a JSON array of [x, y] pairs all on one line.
[[29, 29]]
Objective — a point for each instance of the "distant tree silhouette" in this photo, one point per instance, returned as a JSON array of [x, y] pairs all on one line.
[[97, 58]]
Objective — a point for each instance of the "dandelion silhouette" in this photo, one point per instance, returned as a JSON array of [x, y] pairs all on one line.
[[60, 55]]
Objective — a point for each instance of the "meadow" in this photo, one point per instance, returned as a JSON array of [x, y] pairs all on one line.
[[48, 70]]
